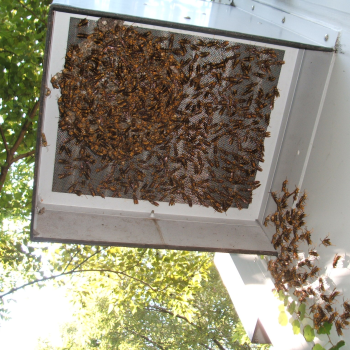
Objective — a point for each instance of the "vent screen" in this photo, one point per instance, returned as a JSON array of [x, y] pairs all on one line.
[[161, 116]]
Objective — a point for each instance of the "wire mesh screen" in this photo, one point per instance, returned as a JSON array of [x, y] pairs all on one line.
[[161, 116]]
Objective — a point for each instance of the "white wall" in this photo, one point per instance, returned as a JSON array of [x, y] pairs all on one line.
[[327, 175]]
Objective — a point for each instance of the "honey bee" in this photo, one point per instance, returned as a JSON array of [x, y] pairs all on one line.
[[344, 317], [54, 82], [246, 68], [43, 140], [307, 237], [346, 306], [204, 54], [195, 47], [82, 23], [267, 219], [269, 52], [332, 317], [313, 252], [171, 41], [78, 192], [326, 242], [99, 191], [279, 63], [103, 167], [211, 44], [276, 92], [232, 48], [62, 176], [201, 43], [248, 59], [91, 189], [72, 187], [82, 35], [321, 284], [65, 149], [335, 260], [184, 41], [41, 211], [339, 327], [329, 308], [259, 75], [179, 52]]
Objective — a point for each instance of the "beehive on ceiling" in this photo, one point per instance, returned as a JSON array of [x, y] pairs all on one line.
[[161, 116], [159, 133]]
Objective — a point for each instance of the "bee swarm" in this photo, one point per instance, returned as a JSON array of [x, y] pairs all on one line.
[[298, 276], [158, 116]]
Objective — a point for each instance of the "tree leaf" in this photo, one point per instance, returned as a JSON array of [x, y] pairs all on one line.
[[301, 310], [338, 345], [283, 318], [281, 307], [281, 295], [309, 333], [296, 327], [291, 307], [325, 328], [318, 347]]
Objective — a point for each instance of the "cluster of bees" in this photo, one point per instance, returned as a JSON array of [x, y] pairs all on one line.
[[162, 116], [290, 272]]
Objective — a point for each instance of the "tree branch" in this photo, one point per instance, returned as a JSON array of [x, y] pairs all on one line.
[[134, 278], [85, 260], [33, 13], [12, 53], [4, 140], [70, 273], [24, 155], [4, 171], [25, 128], [199, 267], [145, 338], [138, 263], [161, 309], [72, 257], [10, 153], [218, 344]]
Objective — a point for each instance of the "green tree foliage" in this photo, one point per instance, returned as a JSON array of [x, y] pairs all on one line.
[[22, 41], [135, 277], [102, 323]]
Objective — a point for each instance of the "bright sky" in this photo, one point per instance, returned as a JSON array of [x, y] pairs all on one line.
[[37, 313]]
